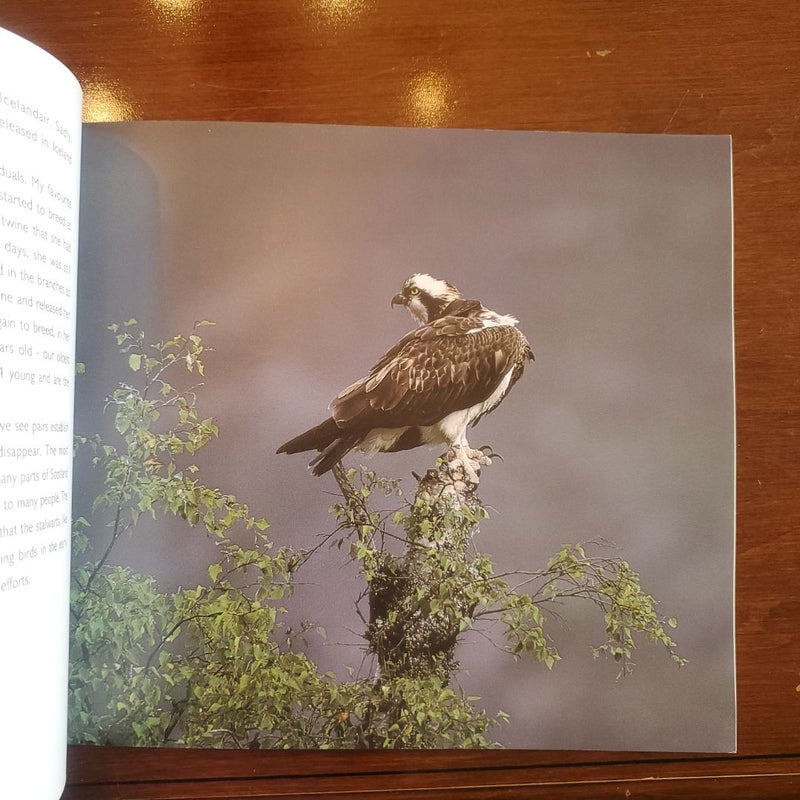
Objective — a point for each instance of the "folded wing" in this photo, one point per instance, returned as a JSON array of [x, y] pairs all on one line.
[[443, 367]]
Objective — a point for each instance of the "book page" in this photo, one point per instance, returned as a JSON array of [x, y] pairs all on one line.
[[617, 467], [40, 116]]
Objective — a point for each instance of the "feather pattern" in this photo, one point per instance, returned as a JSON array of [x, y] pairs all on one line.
[[431, 372]]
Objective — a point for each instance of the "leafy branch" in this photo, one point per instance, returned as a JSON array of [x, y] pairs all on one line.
[[138, 654], [423, 601]]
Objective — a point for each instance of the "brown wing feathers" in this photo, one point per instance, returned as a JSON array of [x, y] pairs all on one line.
[[429, 376]]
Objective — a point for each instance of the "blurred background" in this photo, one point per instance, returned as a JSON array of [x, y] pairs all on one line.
[[615, 254]]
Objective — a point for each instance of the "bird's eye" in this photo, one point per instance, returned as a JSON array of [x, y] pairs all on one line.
[[413, 291]]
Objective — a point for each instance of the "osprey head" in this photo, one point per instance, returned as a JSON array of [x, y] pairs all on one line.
[[426, 297]]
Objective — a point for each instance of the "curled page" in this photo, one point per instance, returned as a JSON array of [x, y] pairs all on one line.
[[40, 132]]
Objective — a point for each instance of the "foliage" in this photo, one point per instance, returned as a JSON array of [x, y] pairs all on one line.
[[147, 666], [423, 601], [613, 586], [215, 664]]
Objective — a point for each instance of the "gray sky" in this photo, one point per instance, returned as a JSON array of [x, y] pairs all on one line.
[[615, 254]]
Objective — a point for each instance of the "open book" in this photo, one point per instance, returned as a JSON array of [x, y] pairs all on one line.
[[605, 524]]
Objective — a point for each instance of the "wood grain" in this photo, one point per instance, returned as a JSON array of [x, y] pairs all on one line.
[[597, 65]]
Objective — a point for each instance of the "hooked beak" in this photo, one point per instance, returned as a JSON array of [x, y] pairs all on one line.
[[399, 300]]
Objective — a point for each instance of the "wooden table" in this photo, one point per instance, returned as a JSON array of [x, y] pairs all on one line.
[[678, 67]]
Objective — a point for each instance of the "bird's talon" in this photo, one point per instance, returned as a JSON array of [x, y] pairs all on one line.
[[489, 453]]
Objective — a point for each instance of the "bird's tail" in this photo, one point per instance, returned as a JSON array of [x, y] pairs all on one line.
[[332, 455], [316, 438], [326, 437]]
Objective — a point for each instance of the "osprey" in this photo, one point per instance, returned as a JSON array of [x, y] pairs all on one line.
[[430, 387]]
